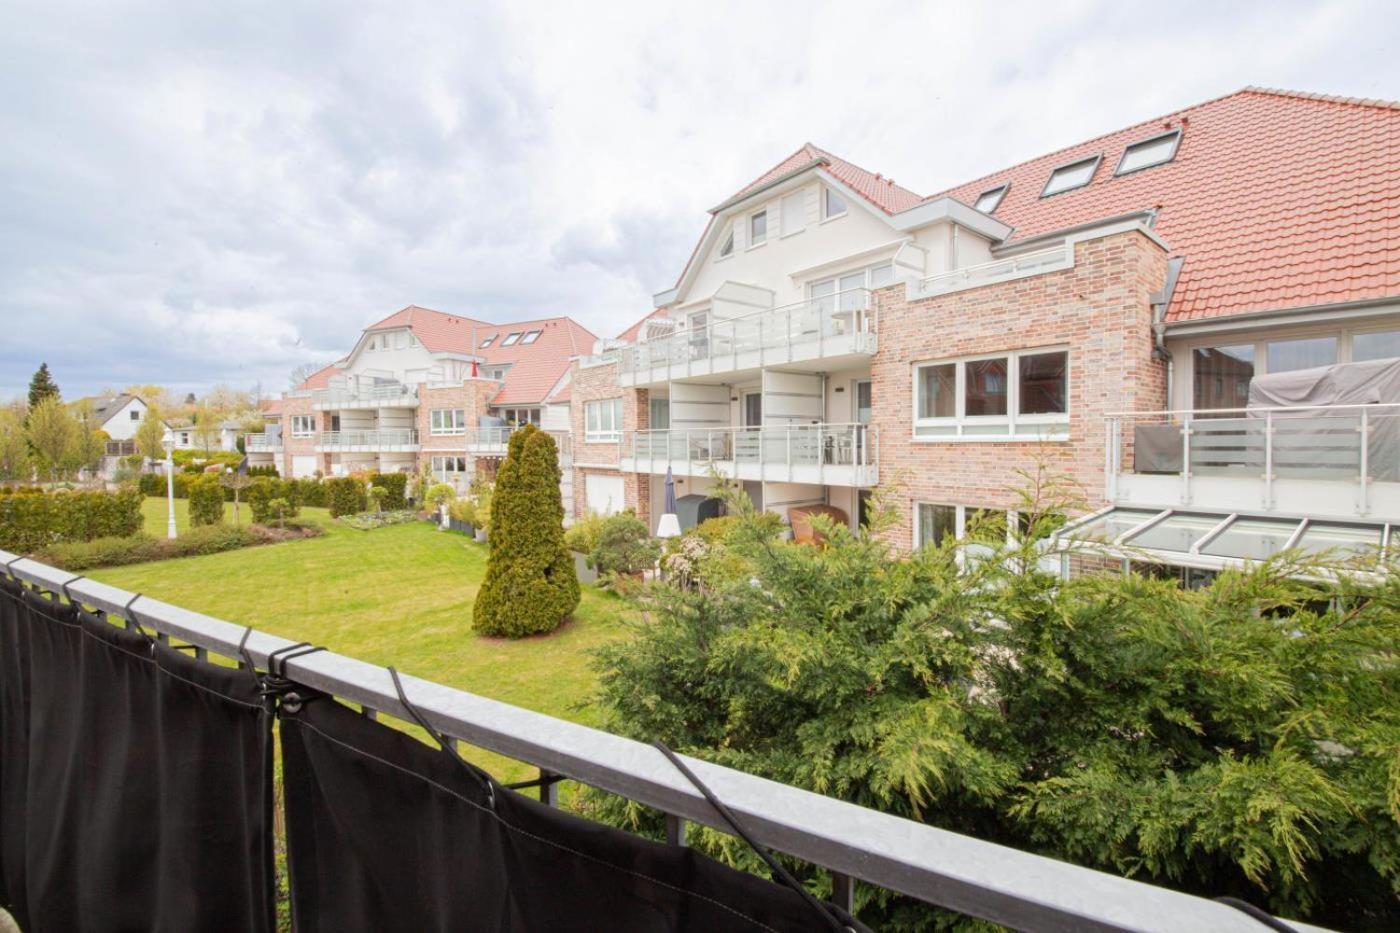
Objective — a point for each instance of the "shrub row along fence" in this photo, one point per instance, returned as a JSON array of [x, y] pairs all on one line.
[[384, 831], [342, 492], [33, 520]]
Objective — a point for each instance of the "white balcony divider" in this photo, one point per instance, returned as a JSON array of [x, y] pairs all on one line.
[[982, 879], [394, 438], [842, 314]]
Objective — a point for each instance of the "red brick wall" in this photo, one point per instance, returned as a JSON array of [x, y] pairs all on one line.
[[593, 383], [473, 395], [1100, 308], [294, 446]]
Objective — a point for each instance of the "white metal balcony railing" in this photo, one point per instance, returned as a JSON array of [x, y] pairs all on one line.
[[497, 439], [1292, 455], [963, 873], [386, 396], [844, 314], [998, 270], [253, 443], [381, 438], [835, 445]]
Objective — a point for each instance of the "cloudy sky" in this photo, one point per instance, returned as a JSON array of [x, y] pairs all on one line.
[[191, 197]]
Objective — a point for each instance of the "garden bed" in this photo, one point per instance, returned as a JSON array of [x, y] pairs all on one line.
[[78, 556], [367, 521]]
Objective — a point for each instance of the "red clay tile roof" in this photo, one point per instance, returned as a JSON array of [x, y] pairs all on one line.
[[270, 406], [636, 328], [875, 188], [1276, 199], [320, 379], [535, 368]]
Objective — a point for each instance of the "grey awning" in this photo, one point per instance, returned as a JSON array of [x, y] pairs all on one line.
[[1215, 540]]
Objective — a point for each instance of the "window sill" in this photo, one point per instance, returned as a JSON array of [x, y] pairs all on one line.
[[991, 439], [753, 246], [827, 220], [784, 236]]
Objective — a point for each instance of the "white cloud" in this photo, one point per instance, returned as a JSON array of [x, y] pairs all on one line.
[[193, 197]]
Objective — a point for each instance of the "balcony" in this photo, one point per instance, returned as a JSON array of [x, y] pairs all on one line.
[[395, 395], [492, 442], [396, 441], [995, 272], [262, 443], [826, 454], [1337, 462], [825, 329]]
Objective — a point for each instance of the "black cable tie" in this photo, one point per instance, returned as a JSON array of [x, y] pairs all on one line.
[[272, 658], [243, 651], [827, 912], [131, 619], [63, 587], [282, 659], [1263, 916], [545, 781], [444, 742]]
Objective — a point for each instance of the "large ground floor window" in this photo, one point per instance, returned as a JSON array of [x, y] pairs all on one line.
[[449, 469]]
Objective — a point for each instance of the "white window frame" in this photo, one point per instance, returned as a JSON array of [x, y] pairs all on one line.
[[1016, 423], [827, 194], [447, 421], [755, 242], [530, 337], [511, 340], [800, 199], [490, 339], [1171, 155], [999, 191], [602, 421], [960, 520], [726, 246], [840, 295], [303, 425], [1088, 179], [447, 465]]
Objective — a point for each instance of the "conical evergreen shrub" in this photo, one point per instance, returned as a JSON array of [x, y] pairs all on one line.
[[530, 586]]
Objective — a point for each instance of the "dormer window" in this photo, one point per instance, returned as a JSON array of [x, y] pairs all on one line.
[[1073, 175], [530, 337], [490, 339], [727, 247], [833, 205], [512, 339], [1157, 150], [758, 228], [989, 200]]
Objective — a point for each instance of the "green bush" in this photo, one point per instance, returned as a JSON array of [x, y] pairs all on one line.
[[308, 491], [263, 470], [266, 490], [206, 497], [395, 486], [582, 535], [625, 546], [530, 585], [137, 549], [30, 522], [462, 510], [1238, 740], [153, 484], [366, 521], [345, 495]]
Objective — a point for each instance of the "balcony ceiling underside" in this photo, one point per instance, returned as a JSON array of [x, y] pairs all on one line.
[[720, 374]]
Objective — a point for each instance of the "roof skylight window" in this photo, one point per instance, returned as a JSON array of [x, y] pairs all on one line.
[[490, 339], [989, 200], [1149, 152], [1071, 176], [511, 339], [530, 337]]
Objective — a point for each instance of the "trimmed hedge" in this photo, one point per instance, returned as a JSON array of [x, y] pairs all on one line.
[[206, 501], [79, 556], [308, 491], [31, 522], [395, 486], [345, 495], [153, 484], [265, 490]]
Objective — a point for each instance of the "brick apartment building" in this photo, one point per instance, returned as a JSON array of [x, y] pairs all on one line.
[[1196, 317]]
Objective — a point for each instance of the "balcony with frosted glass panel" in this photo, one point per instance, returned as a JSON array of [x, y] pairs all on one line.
[[827, 454], [825, 332], [388, 395], [375, 441]]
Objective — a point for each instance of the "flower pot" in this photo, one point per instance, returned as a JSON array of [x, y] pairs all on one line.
[[480, 535], [585, 573]]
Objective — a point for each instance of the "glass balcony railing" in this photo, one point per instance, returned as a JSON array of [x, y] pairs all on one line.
[[262, 442], [834, 445], [390, 438], [999, 270], [385, 396], [816, 321]]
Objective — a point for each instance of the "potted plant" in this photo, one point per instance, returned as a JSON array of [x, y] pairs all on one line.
[[625, 547], [581, 538], [438, 498]]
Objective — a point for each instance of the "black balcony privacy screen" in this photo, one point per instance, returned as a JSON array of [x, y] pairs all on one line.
[[386, 833], [135, 780]]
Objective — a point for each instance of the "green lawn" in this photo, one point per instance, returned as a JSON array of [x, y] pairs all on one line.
[[400, 595]]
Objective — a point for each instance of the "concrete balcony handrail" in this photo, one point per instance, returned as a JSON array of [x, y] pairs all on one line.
[[983, 879], [998, 270], [1352, 444], [396, 392], [382, 438], [840, 314], [262, 442], [824, 444]]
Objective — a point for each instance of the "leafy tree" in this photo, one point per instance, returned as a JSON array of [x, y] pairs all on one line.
[[90, 441], [205, 431], [53, 435], [235, 482], [14, 447], [150, 436], [41, 386], [530, 585], [1240, 740]]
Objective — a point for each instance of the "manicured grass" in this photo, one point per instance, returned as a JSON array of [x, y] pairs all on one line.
[[400, 595], [154, 511]]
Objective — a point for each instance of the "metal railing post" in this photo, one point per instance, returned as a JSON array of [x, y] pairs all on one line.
[[787, 332], [1186, 459], [843, 892], [675, 830], [1269, 460], [1365, 431], [821, 455]]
